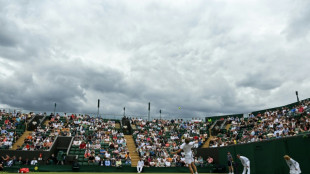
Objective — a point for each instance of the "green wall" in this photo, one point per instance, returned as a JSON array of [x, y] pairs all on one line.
[[126, 169], [267, 157]]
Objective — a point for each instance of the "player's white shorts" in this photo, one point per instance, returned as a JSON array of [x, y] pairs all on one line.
[[189, 160]]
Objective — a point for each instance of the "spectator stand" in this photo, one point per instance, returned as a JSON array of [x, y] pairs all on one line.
[[12, 127]]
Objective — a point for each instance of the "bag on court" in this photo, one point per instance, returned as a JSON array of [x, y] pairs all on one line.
[[24, 170]]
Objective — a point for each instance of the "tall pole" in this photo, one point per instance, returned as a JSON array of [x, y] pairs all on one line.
[[98, 108], [160, 114], [124, 111], [297, 96], [55, 109], [149, 114]]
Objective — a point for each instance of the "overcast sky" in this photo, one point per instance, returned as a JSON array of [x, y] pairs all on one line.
[[206, 57]]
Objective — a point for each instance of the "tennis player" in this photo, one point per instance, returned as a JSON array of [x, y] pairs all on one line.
[[189, 159]]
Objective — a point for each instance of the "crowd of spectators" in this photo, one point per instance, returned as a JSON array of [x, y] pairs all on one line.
[[13, 160], [97, 141], [11, 127], [37, 140], [9, 161], [157, 138], [43, 137], [279, 123]]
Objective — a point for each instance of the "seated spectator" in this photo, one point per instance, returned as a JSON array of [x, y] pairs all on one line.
[[87, 154], [97, 158], [168, 163], [161, 163], [91, 159], [107, 162], [118, 163], [200, 161], [179, 163], [127, 156], [6, 160], [101, 162], [19, 161], [34, 162], [113, 162], [102, 151], [27, 161], [210, 160], [107, 155], [128, 161], [77, 142], [83, 145]]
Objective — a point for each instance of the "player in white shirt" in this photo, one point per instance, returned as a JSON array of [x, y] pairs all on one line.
[[246, 163], [292, 164], [140, 165], [189, 160]]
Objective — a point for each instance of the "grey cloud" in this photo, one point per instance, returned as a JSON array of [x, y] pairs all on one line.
[[299, 22], [260, 81], [168, 53], [6, 41], [22, 90]]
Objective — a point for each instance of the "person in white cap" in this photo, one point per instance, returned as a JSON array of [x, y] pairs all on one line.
[[246, 164], [189, 160], [292, 164]]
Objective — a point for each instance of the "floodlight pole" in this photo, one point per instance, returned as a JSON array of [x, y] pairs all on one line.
[[98, 108], [55, 108], [297, 96], [149, 114]]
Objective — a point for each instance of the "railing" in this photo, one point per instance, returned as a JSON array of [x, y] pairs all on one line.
[[223, 124], [70, 145]]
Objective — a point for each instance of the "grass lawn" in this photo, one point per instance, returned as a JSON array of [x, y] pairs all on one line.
[[95, 173]]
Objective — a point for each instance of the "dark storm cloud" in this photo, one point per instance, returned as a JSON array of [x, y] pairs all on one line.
[[172, 54], [24, 91], [260, 81]]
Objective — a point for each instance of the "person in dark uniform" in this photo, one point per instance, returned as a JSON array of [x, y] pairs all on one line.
[[230, 163]]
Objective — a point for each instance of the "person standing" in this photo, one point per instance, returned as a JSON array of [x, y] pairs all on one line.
[[189, 160], [292, 164], [246, 164], [140, 165], [230, 163]]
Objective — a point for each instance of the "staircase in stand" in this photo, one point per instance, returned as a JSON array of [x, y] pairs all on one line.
[[132, 150], [228, 126], [133, 126], [117, 126], [207, 143], [46, 122], [20, 140]]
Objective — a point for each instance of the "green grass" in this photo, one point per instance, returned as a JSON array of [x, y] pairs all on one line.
[[94, 173]]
